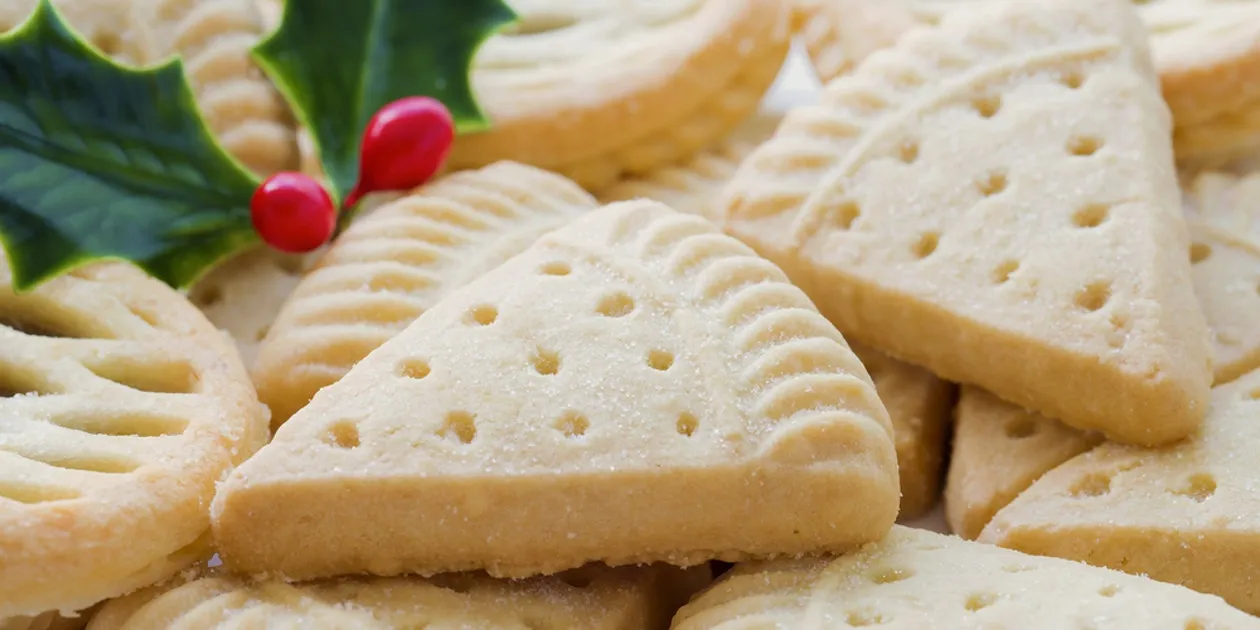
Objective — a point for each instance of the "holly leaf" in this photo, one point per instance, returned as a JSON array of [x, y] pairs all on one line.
[[101, 161], [337, 63]]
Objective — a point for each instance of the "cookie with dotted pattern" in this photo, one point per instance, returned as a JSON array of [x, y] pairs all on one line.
[[921, 204], [1184, 514], [634, 367], [388, 268], [919, 579]]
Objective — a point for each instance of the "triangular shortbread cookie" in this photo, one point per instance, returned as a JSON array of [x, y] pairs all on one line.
[[923, 206], [590, 598], [1001, 449], [388, 268], [633, 387], [1203, 51], [1187, 514], [916, 579], [919, 406], [120, 408]]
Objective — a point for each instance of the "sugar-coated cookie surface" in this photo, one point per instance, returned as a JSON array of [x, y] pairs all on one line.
[[1206, 52], [120, 407], [915, 579], [596, 89], [922, 206], [390, 267], [634, 387], [1000, 449], [1185, 514], [594, 598]]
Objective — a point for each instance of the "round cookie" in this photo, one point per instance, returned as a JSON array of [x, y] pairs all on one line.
[[120, 408], [595, 90]]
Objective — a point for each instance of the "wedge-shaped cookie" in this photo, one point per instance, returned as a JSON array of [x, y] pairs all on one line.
[[390, 267], [1000, 449], [918, 404], [594, 90], [923, 206], [594, 598], [1184, 514], [634, 387], [694, 186], [120, 407], [1206, 52], [915, 579]]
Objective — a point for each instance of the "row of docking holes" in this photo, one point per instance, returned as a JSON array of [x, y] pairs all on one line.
[[991, 184], [461, 425], [1197, 486], [974, 602]]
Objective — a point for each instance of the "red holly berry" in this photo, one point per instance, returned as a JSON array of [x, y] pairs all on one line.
[[404, 144], [293, 213]]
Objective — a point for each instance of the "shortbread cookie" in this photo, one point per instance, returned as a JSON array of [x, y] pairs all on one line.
[[1185, 514], [590, 598], [387, 269], [693, 186], [634, 387], [918, 404], [1206, 52], [120, 407], [244, 294], [915, 579], [923, 207], [240, 106], [917, 401], [1001, 449], [597, 89]]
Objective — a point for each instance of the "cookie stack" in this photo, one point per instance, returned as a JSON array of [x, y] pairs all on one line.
[[631, 339]]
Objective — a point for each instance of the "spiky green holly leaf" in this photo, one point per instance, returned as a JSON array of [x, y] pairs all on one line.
[[98, 161], [337, 63]]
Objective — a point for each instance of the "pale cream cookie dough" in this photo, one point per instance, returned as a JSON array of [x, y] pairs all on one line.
[[635, 366], [120, 408], [921, 206]]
